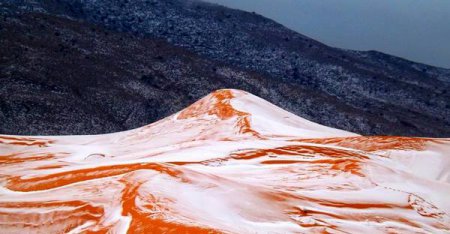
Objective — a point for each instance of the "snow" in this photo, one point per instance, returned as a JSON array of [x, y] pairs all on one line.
[[229, 163]]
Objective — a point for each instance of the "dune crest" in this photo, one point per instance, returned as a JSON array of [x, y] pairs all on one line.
[[229, 163]]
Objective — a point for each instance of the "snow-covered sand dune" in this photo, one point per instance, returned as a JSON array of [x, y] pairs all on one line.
[[230, 163]]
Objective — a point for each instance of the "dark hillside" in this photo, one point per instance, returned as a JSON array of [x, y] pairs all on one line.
[[102, 66]]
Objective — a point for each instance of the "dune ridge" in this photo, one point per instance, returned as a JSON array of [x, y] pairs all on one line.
[[229, 163]]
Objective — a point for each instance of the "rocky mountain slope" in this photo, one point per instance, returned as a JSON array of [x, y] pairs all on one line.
[[229, 163], [120, 64]]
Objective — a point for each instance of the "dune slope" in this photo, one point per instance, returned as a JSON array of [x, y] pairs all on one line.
[[229, 163]]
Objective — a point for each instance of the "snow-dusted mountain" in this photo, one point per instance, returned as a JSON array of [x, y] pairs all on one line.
[[89, 67], [229, 163]]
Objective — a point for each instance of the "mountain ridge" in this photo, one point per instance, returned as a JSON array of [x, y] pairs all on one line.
[[365, 92]]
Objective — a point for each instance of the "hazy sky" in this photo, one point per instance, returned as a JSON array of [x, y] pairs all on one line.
[[418, 30]]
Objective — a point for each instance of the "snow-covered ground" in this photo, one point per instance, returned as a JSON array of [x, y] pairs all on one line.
[[229, 163]]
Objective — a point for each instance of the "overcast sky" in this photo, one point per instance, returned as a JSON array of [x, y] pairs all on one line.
[[418, 30]]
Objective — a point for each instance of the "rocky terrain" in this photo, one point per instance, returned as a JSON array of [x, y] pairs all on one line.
[[85, 67]]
